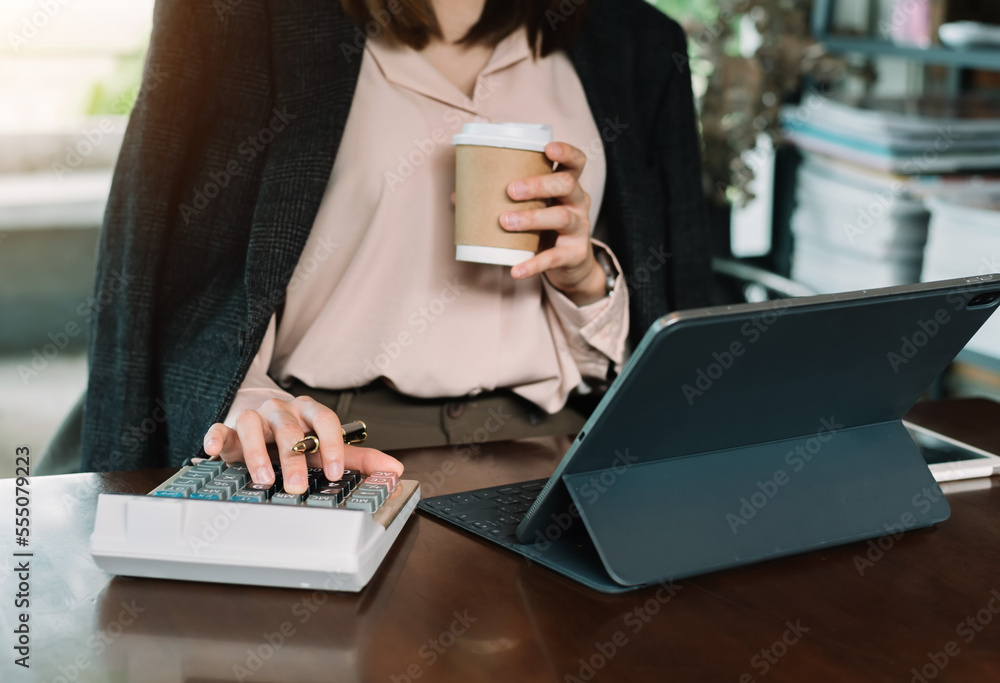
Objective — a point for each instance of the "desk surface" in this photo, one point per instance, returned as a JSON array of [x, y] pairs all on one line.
[[447, 606]]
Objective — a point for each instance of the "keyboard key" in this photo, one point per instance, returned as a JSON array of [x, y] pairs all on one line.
[[170, 494], [366, 503], [488, 493], [322, 500], [533, 486], [509, 491], [287, 498], [463, 498]]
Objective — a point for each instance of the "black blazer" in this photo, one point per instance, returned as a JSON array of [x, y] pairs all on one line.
[[205, 222]]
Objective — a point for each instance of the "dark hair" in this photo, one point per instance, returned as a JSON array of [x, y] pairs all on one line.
[[412, 22]]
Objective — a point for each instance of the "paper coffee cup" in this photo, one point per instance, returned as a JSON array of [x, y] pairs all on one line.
[[488, 157]]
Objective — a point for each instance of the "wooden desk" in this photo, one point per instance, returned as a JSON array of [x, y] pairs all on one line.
[[446, 606]]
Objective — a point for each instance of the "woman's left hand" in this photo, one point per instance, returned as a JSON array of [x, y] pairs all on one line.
[[569, 264]]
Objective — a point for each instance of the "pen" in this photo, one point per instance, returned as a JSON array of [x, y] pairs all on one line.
[[354, 432]]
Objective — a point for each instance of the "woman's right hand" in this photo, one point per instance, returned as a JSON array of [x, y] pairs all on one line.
[[284, 422]]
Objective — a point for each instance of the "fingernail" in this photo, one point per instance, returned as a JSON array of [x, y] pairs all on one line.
[[510, 220], [212, 443], [262, 475], [516, 272], [334, 472], [297, 482], [516, 189]]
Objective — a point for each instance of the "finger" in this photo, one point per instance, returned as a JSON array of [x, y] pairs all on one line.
[[453, 199], [539, 263], [327, 426], [219, 440], [369, 460], [561, 185], [250, 432], [287, 431], [559, 217], [570, 158]]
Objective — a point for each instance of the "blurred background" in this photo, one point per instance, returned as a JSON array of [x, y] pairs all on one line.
[[847, 144]]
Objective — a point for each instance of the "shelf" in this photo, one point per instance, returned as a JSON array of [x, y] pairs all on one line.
[[964, 59]]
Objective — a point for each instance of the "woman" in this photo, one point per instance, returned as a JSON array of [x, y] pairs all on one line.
[[260, 181]]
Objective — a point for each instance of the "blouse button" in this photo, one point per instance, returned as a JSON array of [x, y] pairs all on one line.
[[455, 410]]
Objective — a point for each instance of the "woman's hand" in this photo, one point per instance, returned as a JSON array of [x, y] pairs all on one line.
[[569, 264], [284, 423]]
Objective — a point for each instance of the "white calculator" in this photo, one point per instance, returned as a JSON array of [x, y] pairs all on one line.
[[210, 522]]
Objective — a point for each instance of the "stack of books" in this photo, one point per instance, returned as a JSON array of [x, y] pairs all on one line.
[[861, 220], [964, 240]]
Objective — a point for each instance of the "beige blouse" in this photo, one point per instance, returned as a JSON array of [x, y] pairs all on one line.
[[377, 291]]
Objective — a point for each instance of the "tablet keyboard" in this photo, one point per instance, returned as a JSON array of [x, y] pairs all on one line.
[[210, 522], [493, 513]]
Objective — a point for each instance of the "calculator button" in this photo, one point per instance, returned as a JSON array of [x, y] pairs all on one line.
[[206, 494], [228, 484], [354, 476], [215, 465], [378, 490], [269, 489], [381, 481], [190, 485], [388, 475], [170, 494], [224, 491], [339, 492], [287, 498], [201, 476], [249, 496], [239, 479], [322, 500], [183, 490], [366, 503]]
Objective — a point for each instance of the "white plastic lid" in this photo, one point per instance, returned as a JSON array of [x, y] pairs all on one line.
[[529, 136]]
